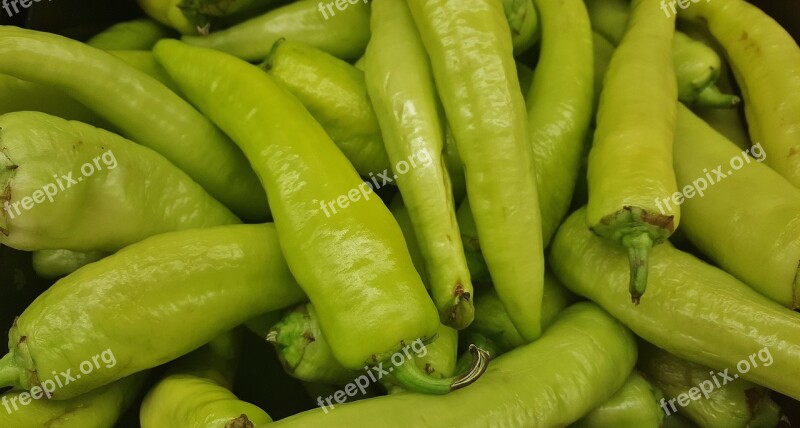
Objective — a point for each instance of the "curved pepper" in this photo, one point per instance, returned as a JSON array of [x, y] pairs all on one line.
[[196, 16], [135, 303], [634, 405], [630, 163], [696, 311], [21, 95], [138, 34], [58, 263], [147, 112]]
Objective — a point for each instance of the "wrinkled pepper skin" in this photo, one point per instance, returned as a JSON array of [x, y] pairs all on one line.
[[58, 263], [764, 58], [100, 408], [353, 263], [630, 163], [576, 365], [147, 113], [721, 222], [127, 302], [334, 93], [135, 35], [633, 405], [691, 304], [735, 404], [37, 147], [344, 35], [400, 85], [470, 49]]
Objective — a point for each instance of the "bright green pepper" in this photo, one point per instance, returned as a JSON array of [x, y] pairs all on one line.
[[734, 404], [470, 48], [334, 92], [147, 112], [719, 219], [143, 61], [633, 405], [764, 58], [21, 95], [697, 312], [342, 33], [603, 51], [138, 34], [523, 22], [353, 263], [578, 363], [100, 408], [45, 156], [196, 16], [135, 304], [58, 263], [630, 163], [400, 85], [400, 214]]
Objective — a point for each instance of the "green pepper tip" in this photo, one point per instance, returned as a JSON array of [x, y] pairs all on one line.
[[712, 97]]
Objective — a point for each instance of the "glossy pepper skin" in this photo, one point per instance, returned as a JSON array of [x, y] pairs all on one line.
[[138, 34], [147, 112], [344, 35], [470, 49], [36, 147], [100, 408], [353, 262], [630, 163], [735, 404], [400, 85], [764, 58], [334, 93], [137, 302], [633, 405], [721, 223], [692, 304], [576, 365]]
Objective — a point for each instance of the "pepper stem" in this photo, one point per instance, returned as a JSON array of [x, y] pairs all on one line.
[[465, 361], [638, 246], [413, 378], [9, 373], [712, 97]]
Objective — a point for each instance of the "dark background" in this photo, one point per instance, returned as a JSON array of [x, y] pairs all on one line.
[[265, 384]]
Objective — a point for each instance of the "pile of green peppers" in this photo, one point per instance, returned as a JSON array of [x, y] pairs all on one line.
[[427, 213]]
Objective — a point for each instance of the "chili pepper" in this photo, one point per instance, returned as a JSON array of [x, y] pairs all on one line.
[[478, 270], [579, 361], [733, 404], [697, 65], [477, 81], [726, 192], [46, 186], [438, 359], [21, 95], [523, 22], [342, 33], [195, 16], [525, 76], [630, 163], [100, 408], [148, 113], [603, 51], [144, 62], [58, 263], [675, 420], [692, 302], [400, 85], [764, 58], [334, 92], [403, 220], [127, 303], [138, 34], [633, 405], [353, 264]]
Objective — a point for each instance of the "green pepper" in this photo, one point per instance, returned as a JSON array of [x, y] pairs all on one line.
[[697, 312], [353, 263], [764, 58], [633, 405], [578, 363], [196, 16], [52, 171], [145, 110], [734, 404], [603, 51], [143, 61], [134, 305], [400, 85], [630, 163], [438, 360], [21, 95], [403, 220], [343, 33], [725, 192], [58, 263], [334, 92], [470, 48], [100, 408], [138, 34], [523, 22]]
